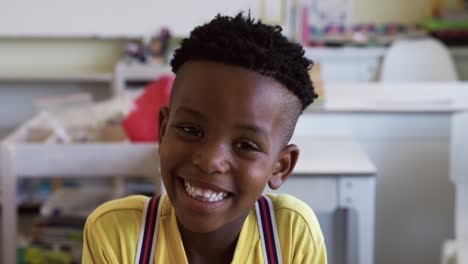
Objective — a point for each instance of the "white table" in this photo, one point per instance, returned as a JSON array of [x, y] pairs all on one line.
[[407, 130], [332, 173], [23, 160], [459, 177], [459, 173], [336, 172]]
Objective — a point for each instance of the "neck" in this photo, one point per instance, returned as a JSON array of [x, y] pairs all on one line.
[[212, 247]]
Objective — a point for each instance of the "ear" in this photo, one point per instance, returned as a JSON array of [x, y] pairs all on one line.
[[284, 166], [162, 121]]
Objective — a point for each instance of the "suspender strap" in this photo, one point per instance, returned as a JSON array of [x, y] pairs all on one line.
[[148, 231], [266, 226], [268, 231]]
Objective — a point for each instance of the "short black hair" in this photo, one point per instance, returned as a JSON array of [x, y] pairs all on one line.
[[242, 41]]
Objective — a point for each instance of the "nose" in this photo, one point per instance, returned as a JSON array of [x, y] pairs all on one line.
[[212, 158]]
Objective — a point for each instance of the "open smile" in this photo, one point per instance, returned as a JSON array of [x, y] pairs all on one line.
[[202, 194], [202, 197]]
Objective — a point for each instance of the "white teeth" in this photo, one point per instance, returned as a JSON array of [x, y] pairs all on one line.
[[203, 194], [207, 193]]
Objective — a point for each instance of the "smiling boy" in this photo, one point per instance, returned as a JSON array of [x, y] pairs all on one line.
[[240, 87]]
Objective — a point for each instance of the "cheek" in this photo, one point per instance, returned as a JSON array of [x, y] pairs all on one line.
[[168, 155], [254, 178], [170, 148], [173, 153], [163, 156]]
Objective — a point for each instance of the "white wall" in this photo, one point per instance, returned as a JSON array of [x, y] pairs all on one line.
[[111, 18], [382, 11]]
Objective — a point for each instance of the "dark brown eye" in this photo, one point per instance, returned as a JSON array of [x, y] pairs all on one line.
[[246, 146], [190, 130]]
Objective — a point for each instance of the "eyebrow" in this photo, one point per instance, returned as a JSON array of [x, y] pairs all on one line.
[[188, 111], [251, 128], [254, 129]]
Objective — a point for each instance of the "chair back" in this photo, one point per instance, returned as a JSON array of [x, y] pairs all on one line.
[[418, 60]]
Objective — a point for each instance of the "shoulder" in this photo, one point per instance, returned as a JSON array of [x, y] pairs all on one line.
[[285, 204], [296, 218], [112, 230], [129, 205]]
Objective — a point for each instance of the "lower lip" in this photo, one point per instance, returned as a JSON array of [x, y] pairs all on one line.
[[197, 204]]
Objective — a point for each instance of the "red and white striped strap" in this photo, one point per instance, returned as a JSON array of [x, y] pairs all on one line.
[[148, 231], [265, 219], [268, 231]]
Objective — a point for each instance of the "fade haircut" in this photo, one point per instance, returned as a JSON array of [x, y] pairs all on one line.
[[242, 41]]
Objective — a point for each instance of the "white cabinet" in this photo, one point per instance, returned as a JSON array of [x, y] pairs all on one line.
[[351, 64], [361, 64], [19, 159]]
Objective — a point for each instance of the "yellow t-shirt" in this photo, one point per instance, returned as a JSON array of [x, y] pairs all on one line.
[[112, 230]]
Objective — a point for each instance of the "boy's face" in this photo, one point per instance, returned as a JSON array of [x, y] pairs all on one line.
[[221, 142]]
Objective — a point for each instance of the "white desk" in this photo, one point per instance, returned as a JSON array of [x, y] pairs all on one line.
[[332, 173], [459, 176], [21, 160], [459, 173], [336, 172], [406, 131]]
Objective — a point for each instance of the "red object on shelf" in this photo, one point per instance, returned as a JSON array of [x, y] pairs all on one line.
[[141, 124]]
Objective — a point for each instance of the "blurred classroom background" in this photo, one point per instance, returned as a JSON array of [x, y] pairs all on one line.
[[393, 82]]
